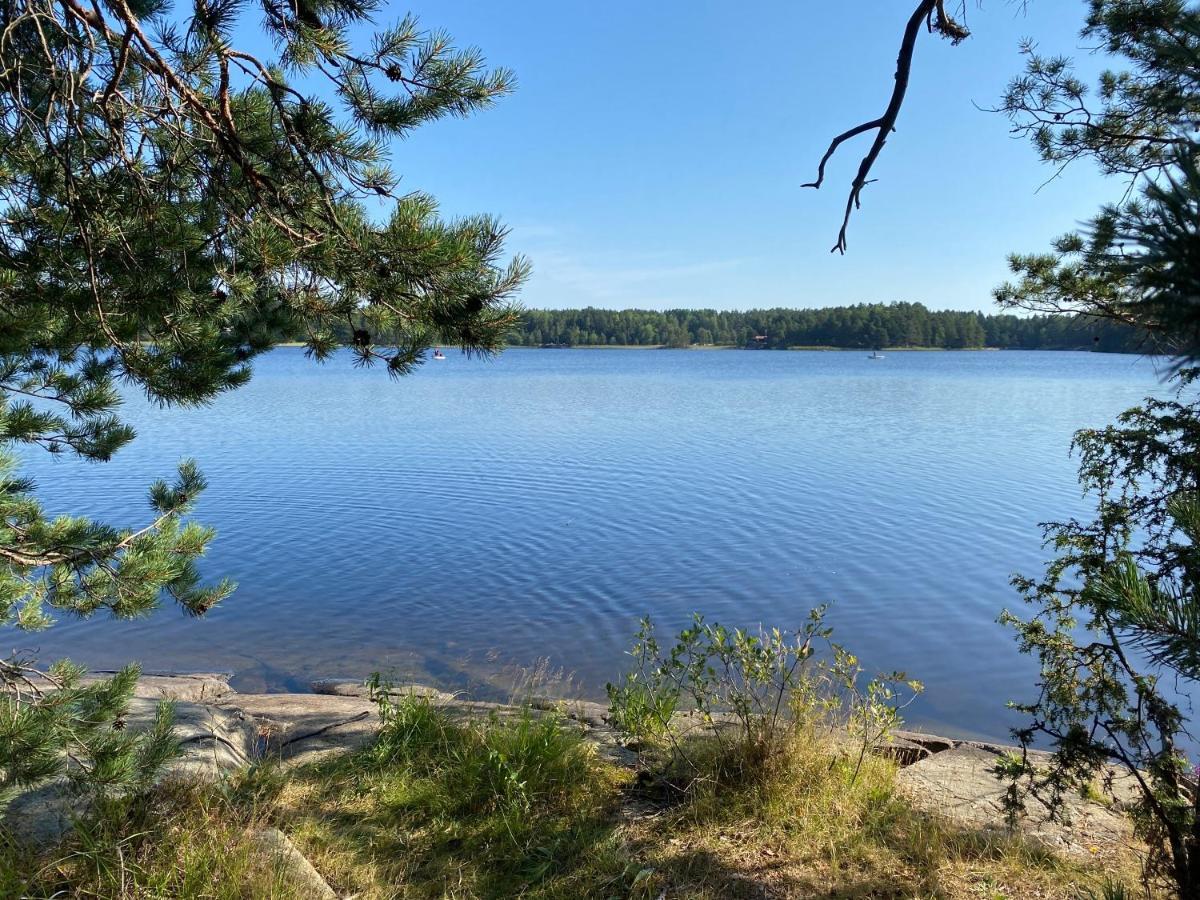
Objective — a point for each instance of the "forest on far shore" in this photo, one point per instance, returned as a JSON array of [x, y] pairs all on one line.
[[864, 325]]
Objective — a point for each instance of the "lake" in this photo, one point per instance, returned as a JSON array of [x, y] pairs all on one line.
[[483, 515]]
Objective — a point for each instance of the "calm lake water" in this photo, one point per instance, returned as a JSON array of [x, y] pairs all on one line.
[[485, 514]]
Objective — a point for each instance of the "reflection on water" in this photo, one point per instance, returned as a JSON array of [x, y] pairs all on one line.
[[480, 514]]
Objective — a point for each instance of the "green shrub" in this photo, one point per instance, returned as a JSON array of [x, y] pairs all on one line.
[[725, 703]]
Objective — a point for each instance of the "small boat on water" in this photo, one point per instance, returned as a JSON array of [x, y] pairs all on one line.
[[438, 354], [875, 354]]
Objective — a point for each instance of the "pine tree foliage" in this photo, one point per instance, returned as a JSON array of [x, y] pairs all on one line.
[[1115, 627], [1136, 260], [170, 207], [58, 724], [1136, 117], [1114, 622], [1158, 252]]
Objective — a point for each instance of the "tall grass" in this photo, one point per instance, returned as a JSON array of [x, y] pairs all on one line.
[[819, 823], [177, 841], [499, 807]]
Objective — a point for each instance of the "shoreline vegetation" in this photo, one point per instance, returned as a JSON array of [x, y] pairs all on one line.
[[379, 791], [864, 326]]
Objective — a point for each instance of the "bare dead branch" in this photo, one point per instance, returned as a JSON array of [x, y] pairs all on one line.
[[835, 143], [933, 15]]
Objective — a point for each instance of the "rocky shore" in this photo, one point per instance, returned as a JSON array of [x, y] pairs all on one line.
[[222, 731]]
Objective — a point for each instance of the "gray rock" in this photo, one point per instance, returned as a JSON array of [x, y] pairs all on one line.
[[199, 688], [299, 871], [959, 785], [301, 728], [203, 687], [214, 741], [931, 743], [594, 715], [345, 687], [340, 687], [41, 816]]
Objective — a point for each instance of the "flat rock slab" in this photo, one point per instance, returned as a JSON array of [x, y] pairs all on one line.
[[204, 687], [214, 740], [302, 728], [959, 785], [40, 816], [345, 687]]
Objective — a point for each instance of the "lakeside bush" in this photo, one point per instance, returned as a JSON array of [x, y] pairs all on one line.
[[1114, 626], [727, 705]]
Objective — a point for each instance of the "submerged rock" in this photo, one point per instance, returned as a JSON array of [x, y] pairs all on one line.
[[345, 687]]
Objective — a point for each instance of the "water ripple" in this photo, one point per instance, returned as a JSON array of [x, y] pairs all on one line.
[[478, 515]]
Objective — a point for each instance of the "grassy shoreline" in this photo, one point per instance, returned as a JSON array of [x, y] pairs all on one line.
[[519, 804]]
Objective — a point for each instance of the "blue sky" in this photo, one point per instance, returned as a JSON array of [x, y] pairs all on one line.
[[653, 153]]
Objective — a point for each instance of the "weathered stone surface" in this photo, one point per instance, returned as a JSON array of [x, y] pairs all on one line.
[[199, 688], [908, 747], [344, 687], [932, 743], [592, 714], [300, 728], [203, 687], [42, 815], [959, 785], [299, 871], [213, 740], [902, 750]]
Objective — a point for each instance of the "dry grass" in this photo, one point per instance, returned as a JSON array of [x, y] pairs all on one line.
[[182, 841], [812, 827]]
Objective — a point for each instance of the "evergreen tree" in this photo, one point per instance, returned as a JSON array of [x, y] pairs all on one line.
[[172, 206], [1137, 261], [1115, 622]]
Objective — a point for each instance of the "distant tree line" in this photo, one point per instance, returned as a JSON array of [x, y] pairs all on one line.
[[864, 325]]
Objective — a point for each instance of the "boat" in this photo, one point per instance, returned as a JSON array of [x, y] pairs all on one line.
[[438, 354], [875, 354]]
